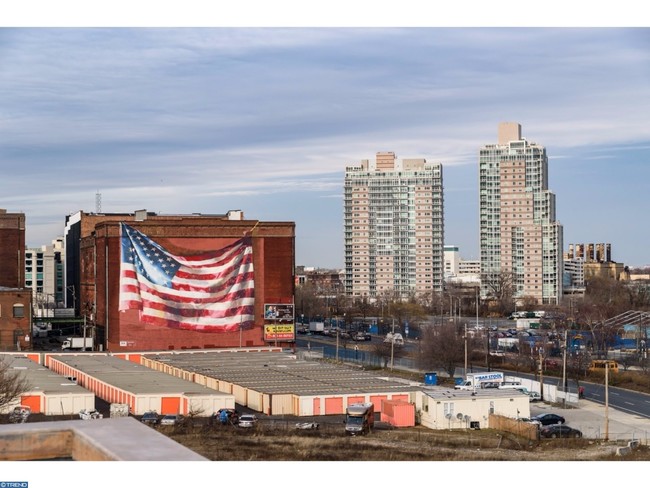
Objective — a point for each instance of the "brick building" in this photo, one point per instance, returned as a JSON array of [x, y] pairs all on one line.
[[15, 319], [12, 249], [273, 248], [15, 299]]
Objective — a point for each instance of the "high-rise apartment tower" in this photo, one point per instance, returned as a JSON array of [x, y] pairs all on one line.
[[394, 231], [521, 242]]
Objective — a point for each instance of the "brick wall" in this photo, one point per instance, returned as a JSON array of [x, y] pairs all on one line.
[[274, 260], [12, 250], [14, 329]]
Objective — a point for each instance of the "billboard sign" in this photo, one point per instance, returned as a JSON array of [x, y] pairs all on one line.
[[278, 311]]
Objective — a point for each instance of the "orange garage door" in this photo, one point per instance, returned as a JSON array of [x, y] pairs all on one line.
[[170, 405], [333, 406], [32, 401]]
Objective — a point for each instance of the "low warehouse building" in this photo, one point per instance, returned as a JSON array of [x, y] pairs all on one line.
[[49, 393], [116, 380], [442, 408], [276, 383]]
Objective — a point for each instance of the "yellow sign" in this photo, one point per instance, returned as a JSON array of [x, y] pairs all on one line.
[[279, 332]]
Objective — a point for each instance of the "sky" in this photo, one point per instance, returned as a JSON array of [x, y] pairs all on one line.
[[180, 120]]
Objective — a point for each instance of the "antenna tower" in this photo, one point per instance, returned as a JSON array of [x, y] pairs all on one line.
[[98, 202]]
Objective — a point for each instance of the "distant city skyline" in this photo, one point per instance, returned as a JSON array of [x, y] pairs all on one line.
[[265, 120]]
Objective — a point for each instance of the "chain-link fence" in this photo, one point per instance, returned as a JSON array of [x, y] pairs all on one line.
[[356, 356]]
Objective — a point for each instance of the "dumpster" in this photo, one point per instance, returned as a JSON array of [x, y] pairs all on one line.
[[431, 378]]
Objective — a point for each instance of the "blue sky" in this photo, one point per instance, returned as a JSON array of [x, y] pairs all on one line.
[[183, 120]]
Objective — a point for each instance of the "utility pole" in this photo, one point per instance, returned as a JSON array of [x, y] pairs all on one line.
[[541, 374], [392, 347], [465, 350], [487, 350], [337, 340], [477, 299], [606, 400]]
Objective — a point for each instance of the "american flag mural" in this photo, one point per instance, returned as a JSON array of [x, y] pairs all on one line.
[[211, 292]]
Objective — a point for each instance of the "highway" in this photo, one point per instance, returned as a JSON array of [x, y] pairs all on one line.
[[627, 401]]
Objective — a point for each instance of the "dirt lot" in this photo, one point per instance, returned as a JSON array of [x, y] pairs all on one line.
[[280, 441]]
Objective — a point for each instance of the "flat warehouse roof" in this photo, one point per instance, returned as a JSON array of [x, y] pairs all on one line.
[[440, 393], [279, 372], [132, 377], [40, 378]]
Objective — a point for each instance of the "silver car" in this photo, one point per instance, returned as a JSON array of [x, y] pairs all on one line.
[[171, 420], [247, 421]]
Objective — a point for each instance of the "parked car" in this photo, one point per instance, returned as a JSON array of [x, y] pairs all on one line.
[[171, 420], [247, 421], [547, 419], [151, 418], [533, 396], [362, 336], [559, 430], [307, 426]]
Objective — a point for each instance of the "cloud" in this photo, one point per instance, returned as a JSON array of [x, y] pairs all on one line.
[[191, 118]]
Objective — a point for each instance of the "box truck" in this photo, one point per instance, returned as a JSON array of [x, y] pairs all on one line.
[[481, 380], [316, 327], [77, 344]]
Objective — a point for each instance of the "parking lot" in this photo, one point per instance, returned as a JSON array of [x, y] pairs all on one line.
[[597, 422]]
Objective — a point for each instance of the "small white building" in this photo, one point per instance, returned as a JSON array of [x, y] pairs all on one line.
[[444, 408]]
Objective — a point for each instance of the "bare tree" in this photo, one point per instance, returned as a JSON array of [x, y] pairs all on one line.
[[501, 290], [384, 350], [12, 384], [441, 347], [308, 303], [362, 307]]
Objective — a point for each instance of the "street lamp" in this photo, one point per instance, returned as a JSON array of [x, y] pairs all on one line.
[[564, 379], [606, 400], [74, 297]]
